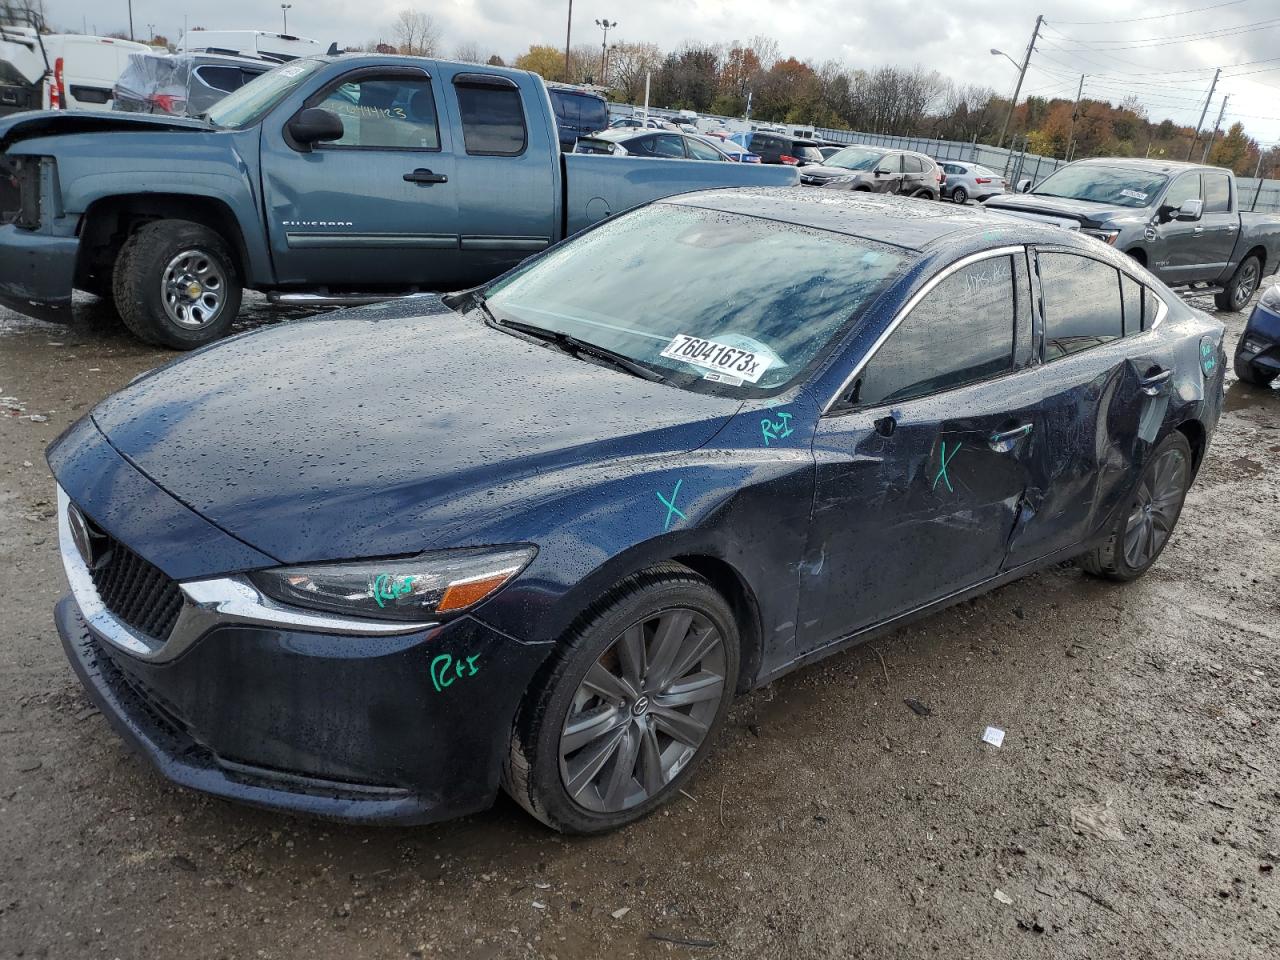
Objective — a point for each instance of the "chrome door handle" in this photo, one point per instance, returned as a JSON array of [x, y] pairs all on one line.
[[1152, 385], [1006, 440]]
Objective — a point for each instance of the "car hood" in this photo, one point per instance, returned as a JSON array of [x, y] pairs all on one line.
[[820, 171], [371, 433], [40, 123], [1082, 211]]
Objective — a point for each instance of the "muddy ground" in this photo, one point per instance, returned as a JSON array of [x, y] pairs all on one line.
[[1133, 810]]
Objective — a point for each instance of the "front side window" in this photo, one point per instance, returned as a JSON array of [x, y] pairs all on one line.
[[781, 292], [492, 120], [1186, 187], [1217, 193], [390, 113], [961, 332], [1082, 306]]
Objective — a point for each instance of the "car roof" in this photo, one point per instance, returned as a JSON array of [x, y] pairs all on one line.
[[906, 222]]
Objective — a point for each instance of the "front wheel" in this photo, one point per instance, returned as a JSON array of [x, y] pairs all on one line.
[[175, 284], [628, 706], [1249, 374], [960, 195], [1142, 529], [1240, 288]]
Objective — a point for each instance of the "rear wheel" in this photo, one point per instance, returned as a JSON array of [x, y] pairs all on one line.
[[960, 195], [629, 705], [1240, 288], [1142, 529], [175, 284]]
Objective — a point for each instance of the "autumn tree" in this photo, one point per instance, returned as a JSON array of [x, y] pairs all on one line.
[[546, 61], [628, 64]]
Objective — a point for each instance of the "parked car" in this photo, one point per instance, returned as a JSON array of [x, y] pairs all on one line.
[[1257, 358], [665, 145], [613, 512], [1181, 220], [779, 148], [59, 71], [637, 122], [328, 180], [183, 84], [969, 180], [578, 113], [829, 150], [877, 170], [734, 151]]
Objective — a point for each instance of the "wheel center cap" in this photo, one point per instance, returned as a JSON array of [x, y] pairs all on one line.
[[640, 707], [194, 290]]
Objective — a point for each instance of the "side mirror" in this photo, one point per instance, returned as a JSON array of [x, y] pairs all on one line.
[[1024, 186], [882, 172], [315, 125], [1190, 210]]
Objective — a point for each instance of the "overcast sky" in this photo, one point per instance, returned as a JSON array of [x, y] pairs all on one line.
[[952, 36]]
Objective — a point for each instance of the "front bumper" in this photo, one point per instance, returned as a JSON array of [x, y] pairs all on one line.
[[1259, 345], [37, 272], [347, 728]]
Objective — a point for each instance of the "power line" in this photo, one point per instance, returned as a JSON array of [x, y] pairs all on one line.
[[1150, 43], [1158, 16]]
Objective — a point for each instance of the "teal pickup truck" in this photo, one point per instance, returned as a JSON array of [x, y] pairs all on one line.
[[330, 180]]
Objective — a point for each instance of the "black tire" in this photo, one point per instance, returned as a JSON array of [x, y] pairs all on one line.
[[146, 263], [1248, 374], [1113, 560], [1242, 285], [960, 195], [532, 774]]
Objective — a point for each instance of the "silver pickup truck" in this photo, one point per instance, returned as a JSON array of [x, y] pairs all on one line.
[[1182, 221], [337, 179]]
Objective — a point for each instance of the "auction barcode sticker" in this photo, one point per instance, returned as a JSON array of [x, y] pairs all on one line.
[[722, 358]]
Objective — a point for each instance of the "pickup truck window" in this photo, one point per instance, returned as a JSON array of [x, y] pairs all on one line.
[[1082, 307], [254, 100], [391, 113], [492, 120], [781, 292], [1119, 186], [1217, 193], [1186, 187]]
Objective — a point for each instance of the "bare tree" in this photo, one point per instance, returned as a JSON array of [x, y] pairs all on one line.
[[416, 33], [468, 53]]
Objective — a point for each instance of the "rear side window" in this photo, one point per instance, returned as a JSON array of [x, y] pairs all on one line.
[[1217, 193], [221, 78], [960, 333], [912, 164], [1131, 297], [492, 120], [1082, 306]]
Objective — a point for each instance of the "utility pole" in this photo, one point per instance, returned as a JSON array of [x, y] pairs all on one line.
[[1026, 61], [605, 26], [568, 32], [284, 14], [1200, 123], [1071, 130], [1214, 136], [151, 33], [130, 19]]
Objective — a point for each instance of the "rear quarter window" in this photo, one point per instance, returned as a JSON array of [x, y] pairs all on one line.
[[493, 122]]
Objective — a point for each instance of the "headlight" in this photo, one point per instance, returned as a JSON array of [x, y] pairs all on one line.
[[1271, 299], [430, 585], [1106, 236]]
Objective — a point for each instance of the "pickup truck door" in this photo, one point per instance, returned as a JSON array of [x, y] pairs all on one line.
[[1219, 224], [377, 207], [1176, 254], [506, 173]]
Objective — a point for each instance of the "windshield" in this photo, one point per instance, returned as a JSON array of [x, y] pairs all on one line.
[[251, 102], [855, 158], [712, 286], [1120, 186]]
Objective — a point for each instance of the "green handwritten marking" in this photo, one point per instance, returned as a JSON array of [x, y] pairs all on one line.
[[672, 510], [942, 470], [1207, 360], [384, 590], [776, 430], [440, 669]]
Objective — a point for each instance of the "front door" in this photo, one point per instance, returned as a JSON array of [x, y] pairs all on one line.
[[920, 480], [1176, 253], [377, 207], [887, 175]]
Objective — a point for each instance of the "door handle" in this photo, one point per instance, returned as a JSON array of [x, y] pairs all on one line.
[[1153, 383], [1198, 230], [426, 177], [1006, 440]]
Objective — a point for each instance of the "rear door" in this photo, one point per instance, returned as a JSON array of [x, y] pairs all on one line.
[[506, 173], [377, 207], [914, 172], [920, 480]]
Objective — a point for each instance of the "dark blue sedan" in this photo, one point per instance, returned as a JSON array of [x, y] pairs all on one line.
[[538, 535], [1257, 359]]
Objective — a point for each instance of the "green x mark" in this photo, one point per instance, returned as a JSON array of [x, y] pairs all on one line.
[[942, 470], [672, 510]]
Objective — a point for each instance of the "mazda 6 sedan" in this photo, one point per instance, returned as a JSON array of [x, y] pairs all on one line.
[[538, 535]]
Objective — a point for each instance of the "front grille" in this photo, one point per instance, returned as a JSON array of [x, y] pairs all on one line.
[[137, 592]]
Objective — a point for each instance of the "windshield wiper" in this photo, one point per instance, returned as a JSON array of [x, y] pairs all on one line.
[[577, 348]]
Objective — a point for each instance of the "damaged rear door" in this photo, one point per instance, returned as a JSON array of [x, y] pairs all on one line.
[[921, 475]]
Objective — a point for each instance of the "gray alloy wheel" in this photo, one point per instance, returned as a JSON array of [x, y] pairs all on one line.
[[960, 195], [1156, 508], [1246, 282], [642, 710], [193, 286]]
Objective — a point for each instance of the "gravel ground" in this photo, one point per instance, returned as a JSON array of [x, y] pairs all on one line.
[[1133, 810]]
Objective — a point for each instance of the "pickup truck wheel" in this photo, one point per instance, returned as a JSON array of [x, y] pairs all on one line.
[[1240, 288], [175, 284]]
